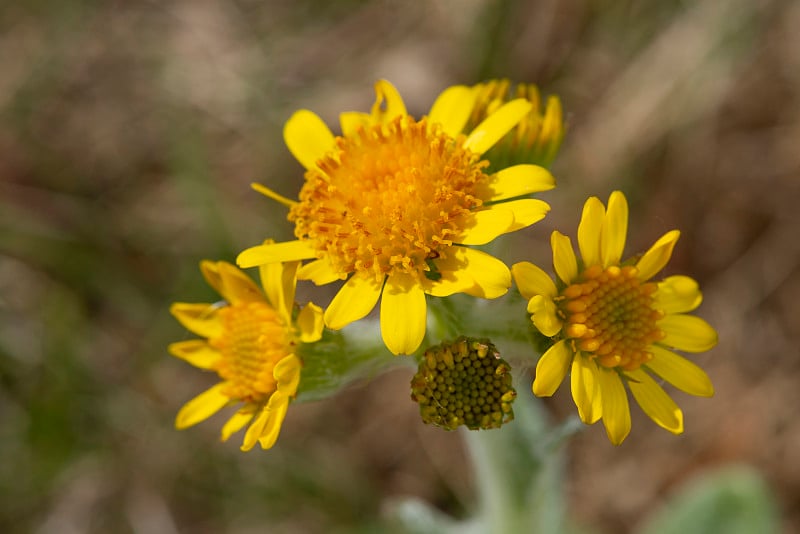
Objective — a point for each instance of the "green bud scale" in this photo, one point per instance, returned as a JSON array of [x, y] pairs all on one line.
[[464, 383]]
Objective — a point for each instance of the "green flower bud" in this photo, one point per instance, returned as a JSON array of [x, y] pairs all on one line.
[[464, 383]]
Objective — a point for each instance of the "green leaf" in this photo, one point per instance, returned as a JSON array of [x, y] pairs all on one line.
[[734, 500], [342, 357]]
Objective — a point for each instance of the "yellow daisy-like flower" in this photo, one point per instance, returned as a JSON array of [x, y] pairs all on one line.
[[536, 138], [251, 342], [613, 326], [391, 203]]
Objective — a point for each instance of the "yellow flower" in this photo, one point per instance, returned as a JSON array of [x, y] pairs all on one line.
[[390, 204], [612, 326], [252, 344], [536, 138]]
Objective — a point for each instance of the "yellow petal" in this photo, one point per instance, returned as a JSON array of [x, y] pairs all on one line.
[[452, 109], [307, 137], [615, 229], [287, 375], [237, 286], [585, 389], [320, 272], [202, 407], [658, 256], [279, 281], [497, 125], [655, 402], [485, 225], [526, 212], [195, 351], [680, 372], [210, 272], [517, 181], [276, 252], [256, 429], [278, 405], [531, 280], [564, 261], [544, 315], [616, 412], [310, 323], [388, 103], [678, 294], [236, 423], [452, 281], [403, 314], [589, 231], [355, 299], [269, 193], [491, 276], [687, 332], [352, 121], [201, 319], [551, 369]]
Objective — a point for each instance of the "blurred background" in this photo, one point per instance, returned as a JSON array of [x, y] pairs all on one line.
[[129, 135]]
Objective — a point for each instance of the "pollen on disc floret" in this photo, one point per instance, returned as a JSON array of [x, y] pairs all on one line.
[[389, 198]]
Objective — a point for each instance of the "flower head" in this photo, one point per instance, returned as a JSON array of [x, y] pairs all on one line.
[[613, 326], [535, 139], [464, 383], [251, 342], [390, 204]]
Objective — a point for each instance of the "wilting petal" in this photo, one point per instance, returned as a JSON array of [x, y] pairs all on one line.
[[279, 281], [276, 252], [687, 332], [544, 315], [485, 225], [658, 256], [195, 351], [531, 280], [586, 391], [564, 261], [393, 107], [680, 372], [236, 423], [452, 109], [307, 137], [678, 294], [355, 299], [589, 231], [655, 402], [551, 369], [497, 125], [202, 319], [615, 230], [616, 412], [287, 375], [310, 323], [202, 407], [403, 314], [519, 180], [320, 272]]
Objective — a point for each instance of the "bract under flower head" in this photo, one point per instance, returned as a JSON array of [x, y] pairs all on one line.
[[536, 138], [251, 342], [612, 326], [392, 205]]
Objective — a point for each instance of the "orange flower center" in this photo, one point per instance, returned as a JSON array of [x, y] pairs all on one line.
[[389, 198], [610, 316], [254, 339]]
